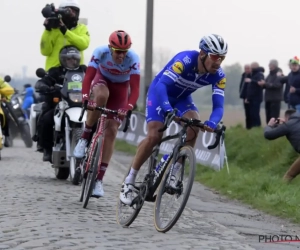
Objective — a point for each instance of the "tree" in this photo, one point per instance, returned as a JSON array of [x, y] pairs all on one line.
[[233, 76]]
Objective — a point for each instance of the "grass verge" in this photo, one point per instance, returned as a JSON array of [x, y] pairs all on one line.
[[256, 170]]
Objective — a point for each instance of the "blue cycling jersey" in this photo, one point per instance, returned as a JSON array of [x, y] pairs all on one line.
[[116, 73], [180, 78]]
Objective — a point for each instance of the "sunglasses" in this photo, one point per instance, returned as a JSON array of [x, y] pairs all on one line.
[[216, 57], [119, 51]]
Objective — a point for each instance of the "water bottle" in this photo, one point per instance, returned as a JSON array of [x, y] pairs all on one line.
[[158, 167]]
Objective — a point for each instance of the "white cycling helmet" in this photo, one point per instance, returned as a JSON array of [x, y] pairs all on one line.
[[69, 3], [214, 44]]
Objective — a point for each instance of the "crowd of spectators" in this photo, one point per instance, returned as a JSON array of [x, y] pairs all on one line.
[[273, 89]]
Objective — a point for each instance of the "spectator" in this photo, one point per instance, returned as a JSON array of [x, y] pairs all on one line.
[[243, 93], [289, 127], [254, 94], [294, 85], [284, 80], [273, 91], [69, 32]]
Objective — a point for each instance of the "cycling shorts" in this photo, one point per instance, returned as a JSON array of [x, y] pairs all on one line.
[[118, 92], [154, 112]]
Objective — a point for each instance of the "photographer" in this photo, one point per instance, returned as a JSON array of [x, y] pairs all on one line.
[[69, 58], [289, 127], [62, 29]]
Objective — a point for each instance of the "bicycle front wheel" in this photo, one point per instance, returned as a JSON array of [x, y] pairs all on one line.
[[166, 213], [92, 172], [127, 214], [83, 179]]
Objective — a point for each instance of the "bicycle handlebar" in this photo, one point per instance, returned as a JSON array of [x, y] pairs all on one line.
[[196, 123], [106, 111]]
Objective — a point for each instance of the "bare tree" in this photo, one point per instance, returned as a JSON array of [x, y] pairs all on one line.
[[161, 56]]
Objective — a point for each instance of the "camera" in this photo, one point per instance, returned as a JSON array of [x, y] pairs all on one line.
[[54, 15]]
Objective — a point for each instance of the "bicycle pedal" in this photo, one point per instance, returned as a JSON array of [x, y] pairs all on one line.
[[171, 190], [95, 196]]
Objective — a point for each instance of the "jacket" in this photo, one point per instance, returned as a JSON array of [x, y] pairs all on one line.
[[284, 80], [273, 87], [294, 81], [243, 85], [6, 90], [28, 98], [290, 129], [53, 41], [252, 90]]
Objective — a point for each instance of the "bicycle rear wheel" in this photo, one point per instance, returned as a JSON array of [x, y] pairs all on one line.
[[92, 172], [183, 190], [127, 214]]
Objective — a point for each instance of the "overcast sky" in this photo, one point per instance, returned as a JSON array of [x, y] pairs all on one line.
[[255, 30]]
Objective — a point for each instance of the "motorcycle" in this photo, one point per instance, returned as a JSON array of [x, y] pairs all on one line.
[[13, 128], [1, 135], [66, 114], [18, 119]]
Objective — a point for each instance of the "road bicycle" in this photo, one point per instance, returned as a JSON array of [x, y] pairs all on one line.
[[151, 185], [90, 164]]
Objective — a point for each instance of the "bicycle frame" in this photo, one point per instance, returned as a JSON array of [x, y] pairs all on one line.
[[154, 182], [99, 132]]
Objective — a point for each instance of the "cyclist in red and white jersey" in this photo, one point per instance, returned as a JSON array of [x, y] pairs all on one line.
[[112, 70]]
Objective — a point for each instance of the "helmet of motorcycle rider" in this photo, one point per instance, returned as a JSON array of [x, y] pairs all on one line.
[[73, 5], [69, 3], [69, 57], [7, 78]]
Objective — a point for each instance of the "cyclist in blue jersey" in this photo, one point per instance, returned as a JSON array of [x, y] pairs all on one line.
[[112, 70], [172, 88]]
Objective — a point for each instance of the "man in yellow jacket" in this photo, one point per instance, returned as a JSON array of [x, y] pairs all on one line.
[[69, 32], [6, 91]]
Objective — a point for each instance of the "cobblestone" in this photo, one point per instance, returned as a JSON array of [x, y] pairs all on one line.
[[37, 211]]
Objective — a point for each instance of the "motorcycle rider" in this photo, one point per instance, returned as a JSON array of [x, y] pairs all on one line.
[[6, 91], [67, 32], [28, 98], [69, 58]]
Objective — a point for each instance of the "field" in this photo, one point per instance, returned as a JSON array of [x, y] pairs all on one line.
[[234, 115]]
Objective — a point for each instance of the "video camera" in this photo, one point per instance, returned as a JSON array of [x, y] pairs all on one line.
[[54, 15]]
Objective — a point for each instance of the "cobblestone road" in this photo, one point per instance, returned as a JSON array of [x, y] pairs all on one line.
[[39, 212]]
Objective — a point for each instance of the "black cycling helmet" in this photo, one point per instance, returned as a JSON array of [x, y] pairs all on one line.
[[7, 78], [69, 57]]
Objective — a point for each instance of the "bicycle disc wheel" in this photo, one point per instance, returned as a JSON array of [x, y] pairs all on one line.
[[127, 214], [184, 183], [92, 173]]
